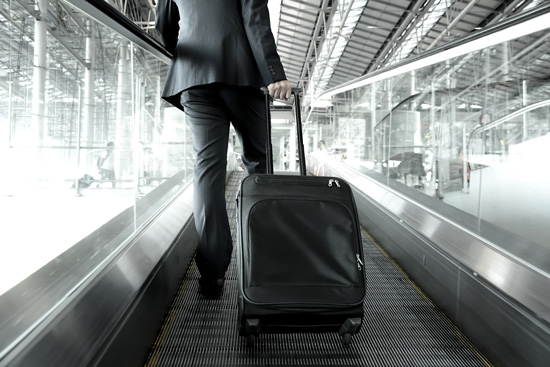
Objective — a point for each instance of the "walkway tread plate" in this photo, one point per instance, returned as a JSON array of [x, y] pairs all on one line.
[[401, 327]]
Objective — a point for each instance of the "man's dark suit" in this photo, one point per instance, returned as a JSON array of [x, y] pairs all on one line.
[[225, 41], [224, 53]]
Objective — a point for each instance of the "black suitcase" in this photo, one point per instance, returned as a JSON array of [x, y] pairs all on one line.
[[300, 257]]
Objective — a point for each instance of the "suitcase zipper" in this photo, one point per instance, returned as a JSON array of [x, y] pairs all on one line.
[[286, 181], [359, 262]]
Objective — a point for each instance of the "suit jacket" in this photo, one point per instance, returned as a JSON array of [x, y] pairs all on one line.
[[227, 41]]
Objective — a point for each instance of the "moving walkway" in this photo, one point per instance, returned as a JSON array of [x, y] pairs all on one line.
[[402, 326], [106, 301]]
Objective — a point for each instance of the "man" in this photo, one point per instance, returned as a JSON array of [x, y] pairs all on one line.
[[223, 51], [106, 164]]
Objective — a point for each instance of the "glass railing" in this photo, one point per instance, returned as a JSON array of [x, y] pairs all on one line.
[[467, 126], [71, 82]]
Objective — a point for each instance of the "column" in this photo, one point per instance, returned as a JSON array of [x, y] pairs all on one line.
[[123, 95], [39, 74], [89, 87], [373, 140]]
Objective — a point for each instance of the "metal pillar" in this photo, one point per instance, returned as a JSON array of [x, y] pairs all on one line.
[[505, 60], [389, 150], [10, 114], [136, 146], [525, 101], [373, 123], [123, 92], [413, 86], [78, 136], [157, 122], [89, 87], [39, 73], [465, 155], [435, 142]]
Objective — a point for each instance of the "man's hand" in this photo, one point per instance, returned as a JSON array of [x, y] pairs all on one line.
[[280, 90]]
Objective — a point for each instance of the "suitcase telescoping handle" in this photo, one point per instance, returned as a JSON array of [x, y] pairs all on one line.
[[297, 115]]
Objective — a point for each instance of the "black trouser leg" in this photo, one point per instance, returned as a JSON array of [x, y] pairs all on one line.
[[210, 128], [246, 107], [209, 110]]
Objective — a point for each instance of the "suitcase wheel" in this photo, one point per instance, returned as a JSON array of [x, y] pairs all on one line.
[[346, 339], [251, 340], [251, 330], [350, 327]]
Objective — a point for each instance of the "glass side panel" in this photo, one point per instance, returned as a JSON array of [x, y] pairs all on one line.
[[68, 87], [471, 132]]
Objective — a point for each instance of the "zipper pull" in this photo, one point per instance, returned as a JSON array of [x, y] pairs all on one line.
[[333, 181], [330, 182], [337, 183], [359, 262]]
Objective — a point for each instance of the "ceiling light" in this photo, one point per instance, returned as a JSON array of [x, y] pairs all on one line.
[[504, 35], [421, 29], [343, 24]]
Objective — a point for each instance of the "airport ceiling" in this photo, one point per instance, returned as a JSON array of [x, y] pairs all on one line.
[[355, 37], [325, 43], [359, 36], [322, 43]]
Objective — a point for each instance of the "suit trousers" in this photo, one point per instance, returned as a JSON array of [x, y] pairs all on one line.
[[210, 109]]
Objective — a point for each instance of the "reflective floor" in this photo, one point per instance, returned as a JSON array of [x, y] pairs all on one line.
[[402, 326], [38, 225]]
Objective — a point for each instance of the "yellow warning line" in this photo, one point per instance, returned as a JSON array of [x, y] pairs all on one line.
[[456, 330], [160, 341]]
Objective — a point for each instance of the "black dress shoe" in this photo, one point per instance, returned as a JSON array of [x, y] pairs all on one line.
[[211, 288]]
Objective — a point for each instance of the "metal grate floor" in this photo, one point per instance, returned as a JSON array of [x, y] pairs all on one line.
[[402, 327]]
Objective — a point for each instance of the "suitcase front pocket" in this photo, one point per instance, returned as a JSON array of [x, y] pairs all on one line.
[[304, 244]]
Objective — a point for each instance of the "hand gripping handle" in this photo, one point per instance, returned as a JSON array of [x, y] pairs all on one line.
[[297, 115]]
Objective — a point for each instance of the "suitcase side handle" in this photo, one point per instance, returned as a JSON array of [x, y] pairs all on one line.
[[297, 116]]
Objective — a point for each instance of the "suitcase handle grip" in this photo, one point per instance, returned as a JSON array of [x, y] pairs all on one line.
[[297, 115]]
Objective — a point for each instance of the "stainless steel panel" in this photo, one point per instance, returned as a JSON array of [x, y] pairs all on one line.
[[74, 333], [511, 275], [504, 331], [499, 327]]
